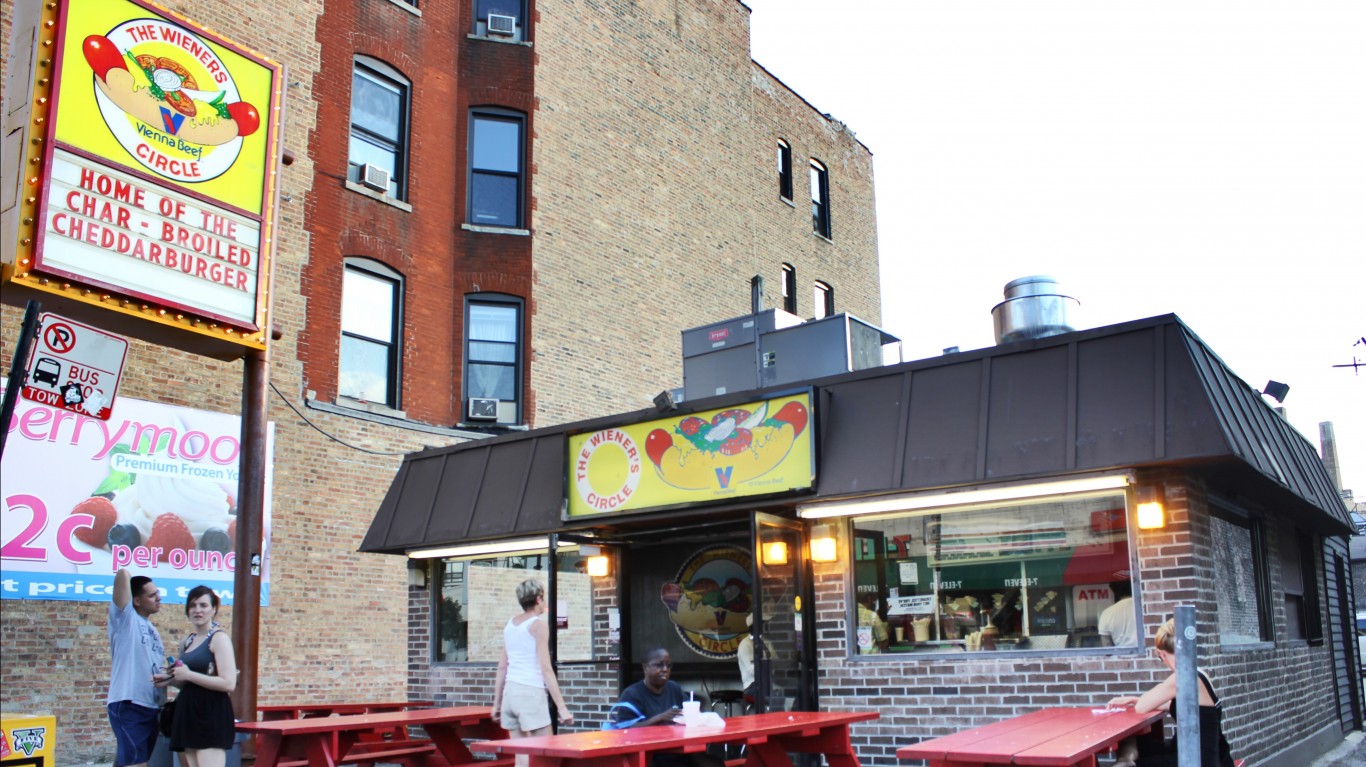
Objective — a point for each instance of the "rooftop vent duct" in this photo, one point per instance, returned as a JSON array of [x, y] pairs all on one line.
[[1033, 309]]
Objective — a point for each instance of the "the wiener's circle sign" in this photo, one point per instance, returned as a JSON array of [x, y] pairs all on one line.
[[756, 448], [142, 88], [709, 599]]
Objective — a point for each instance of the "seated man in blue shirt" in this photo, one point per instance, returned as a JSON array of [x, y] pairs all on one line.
[[660, 700]]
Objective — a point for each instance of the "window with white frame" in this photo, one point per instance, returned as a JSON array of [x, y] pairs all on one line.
[[476, 596], [1029, 574], [820, 199], [500, 19], [495, 188], [789, 288], [823, 300], [377, 157], [784, 170], [371, 323], [493, 358]]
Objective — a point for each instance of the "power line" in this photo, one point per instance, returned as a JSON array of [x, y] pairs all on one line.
[[339, 441]]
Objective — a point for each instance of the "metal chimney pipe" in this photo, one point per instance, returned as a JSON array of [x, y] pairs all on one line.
[[1033, 309]]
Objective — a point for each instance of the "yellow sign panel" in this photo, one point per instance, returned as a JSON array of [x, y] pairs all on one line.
[[27, 740], [153, 154], [757, 448]]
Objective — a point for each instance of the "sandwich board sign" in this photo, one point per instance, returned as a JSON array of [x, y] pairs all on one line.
[[74, 366]]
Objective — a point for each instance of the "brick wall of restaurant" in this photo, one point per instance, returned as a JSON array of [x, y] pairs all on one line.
[[1272, 694], [657, 196], [589, 688]]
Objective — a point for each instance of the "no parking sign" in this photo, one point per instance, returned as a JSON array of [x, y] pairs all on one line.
[[74, 367]]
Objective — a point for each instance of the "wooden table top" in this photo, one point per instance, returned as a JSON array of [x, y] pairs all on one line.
[[414, 717], [1052, 736]]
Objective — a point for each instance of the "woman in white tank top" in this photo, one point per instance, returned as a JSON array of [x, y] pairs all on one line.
[[524, 673]]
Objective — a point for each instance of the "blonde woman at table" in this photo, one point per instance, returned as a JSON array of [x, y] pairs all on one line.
[[203, 727], [524, 672], [1153, 751]]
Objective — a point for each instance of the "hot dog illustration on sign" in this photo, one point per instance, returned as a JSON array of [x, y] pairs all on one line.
[[734, 447], [709, 599], [168, 99]]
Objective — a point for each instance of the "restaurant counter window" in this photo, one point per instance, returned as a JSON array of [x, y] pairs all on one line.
[[476, 596], [1032, 574]]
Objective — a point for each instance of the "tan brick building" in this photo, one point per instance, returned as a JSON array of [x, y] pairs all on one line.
[[566, 193]]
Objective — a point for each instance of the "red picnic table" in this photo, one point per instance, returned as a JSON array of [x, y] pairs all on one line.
[[1052, 737], [306, 710], [326, 741], [769, 739]]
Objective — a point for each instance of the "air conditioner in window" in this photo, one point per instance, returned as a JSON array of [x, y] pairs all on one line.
[[483, 409], [374, 177], [502, 25]]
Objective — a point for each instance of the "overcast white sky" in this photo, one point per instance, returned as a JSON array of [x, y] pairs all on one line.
[[1206, 159]]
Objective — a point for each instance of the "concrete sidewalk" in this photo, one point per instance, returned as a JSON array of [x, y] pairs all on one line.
[[1350, 753]]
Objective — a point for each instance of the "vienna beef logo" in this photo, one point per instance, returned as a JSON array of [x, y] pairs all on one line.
[[168, 99]]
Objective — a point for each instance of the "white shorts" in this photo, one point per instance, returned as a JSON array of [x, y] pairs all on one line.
[[525, 708]]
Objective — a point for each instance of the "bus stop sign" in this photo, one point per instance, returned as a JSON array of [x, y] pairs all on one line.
[[74, 366]]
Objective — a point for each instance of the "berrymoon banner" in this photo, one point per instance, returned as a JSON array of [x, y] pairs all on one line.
[[153, 489]]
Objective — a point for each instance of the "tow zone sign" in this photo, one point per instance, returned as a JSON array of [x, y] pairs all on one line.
[[74, 366]]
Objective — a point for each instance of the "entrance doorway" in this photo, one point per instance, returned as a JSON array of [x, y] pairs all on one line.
[[785, 641]]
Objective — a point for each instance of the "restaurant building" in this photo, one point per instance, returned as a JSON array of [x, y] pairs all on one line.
[[990, 505]]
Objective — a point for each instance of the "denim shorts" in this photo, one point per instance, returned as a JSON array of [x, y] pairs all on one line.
[[135, 731]]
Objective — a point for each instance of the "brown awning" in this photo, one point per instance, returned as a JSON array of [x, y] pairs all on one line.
[[1137, 395]]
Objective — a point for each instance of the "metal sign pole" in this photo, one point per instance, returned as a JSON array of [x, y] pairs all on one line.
[[18, 364], [1187, 690]]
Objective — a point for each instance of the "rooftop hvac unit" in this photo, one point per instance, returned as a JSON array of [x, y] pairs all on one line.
[[502, 25], [374, 177], [483, 409]]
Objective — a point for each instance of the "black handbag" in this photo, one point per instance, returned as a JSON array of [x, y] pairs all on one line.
[[167, 717]]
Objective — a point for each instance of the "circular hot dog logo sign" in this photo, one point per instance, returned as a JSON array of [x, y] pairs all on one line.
[[709, 599], [169, 99]]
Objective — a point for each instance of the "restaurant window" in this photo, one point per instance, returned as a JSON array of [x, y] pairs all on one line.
[[784, 170], [820, 199], [1031, 574], [823, 300], [789, 288], [377, 154], [500, 19], [475, 597], [371, 318], [1300, 586], [493, 332], [1239, 578], [495, 194]]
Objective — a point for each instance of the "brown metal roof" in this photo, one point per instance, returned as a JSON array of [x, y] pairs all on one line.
[[1140, 394]]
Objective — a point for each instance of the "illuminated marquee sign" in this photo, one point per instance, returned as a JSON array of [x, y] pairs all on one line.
[[149, 180], [756, 448]]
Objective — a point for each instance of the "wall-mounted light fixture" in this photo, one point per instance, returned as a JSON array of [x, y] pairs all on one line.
[[598, 566], [1151, 515], [824, 544], [775, 553]]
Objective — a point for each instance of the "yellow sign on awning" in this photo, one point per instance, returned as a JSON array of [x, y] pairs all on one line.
[[757, 448]]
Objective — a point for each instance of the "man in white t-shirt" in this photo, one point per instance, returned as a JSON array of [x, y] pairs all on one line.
[[1117, 621], [135, 646]]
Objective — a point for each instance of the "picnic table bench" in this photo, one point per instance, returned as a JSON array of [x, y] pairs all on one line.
[[306, 710], [327, 741], [768, 738], [1052, 737]]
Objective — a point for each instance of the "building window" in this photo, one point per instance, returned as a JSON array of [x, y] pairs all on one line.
[[820, 199], [495, 169], [1300, 584], [378, 153], [784, 170], [475, 598], [500, 19], [371, 316], [789, 288], [824, 300], [493, 332], [1033, 573], [1239, 579]]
